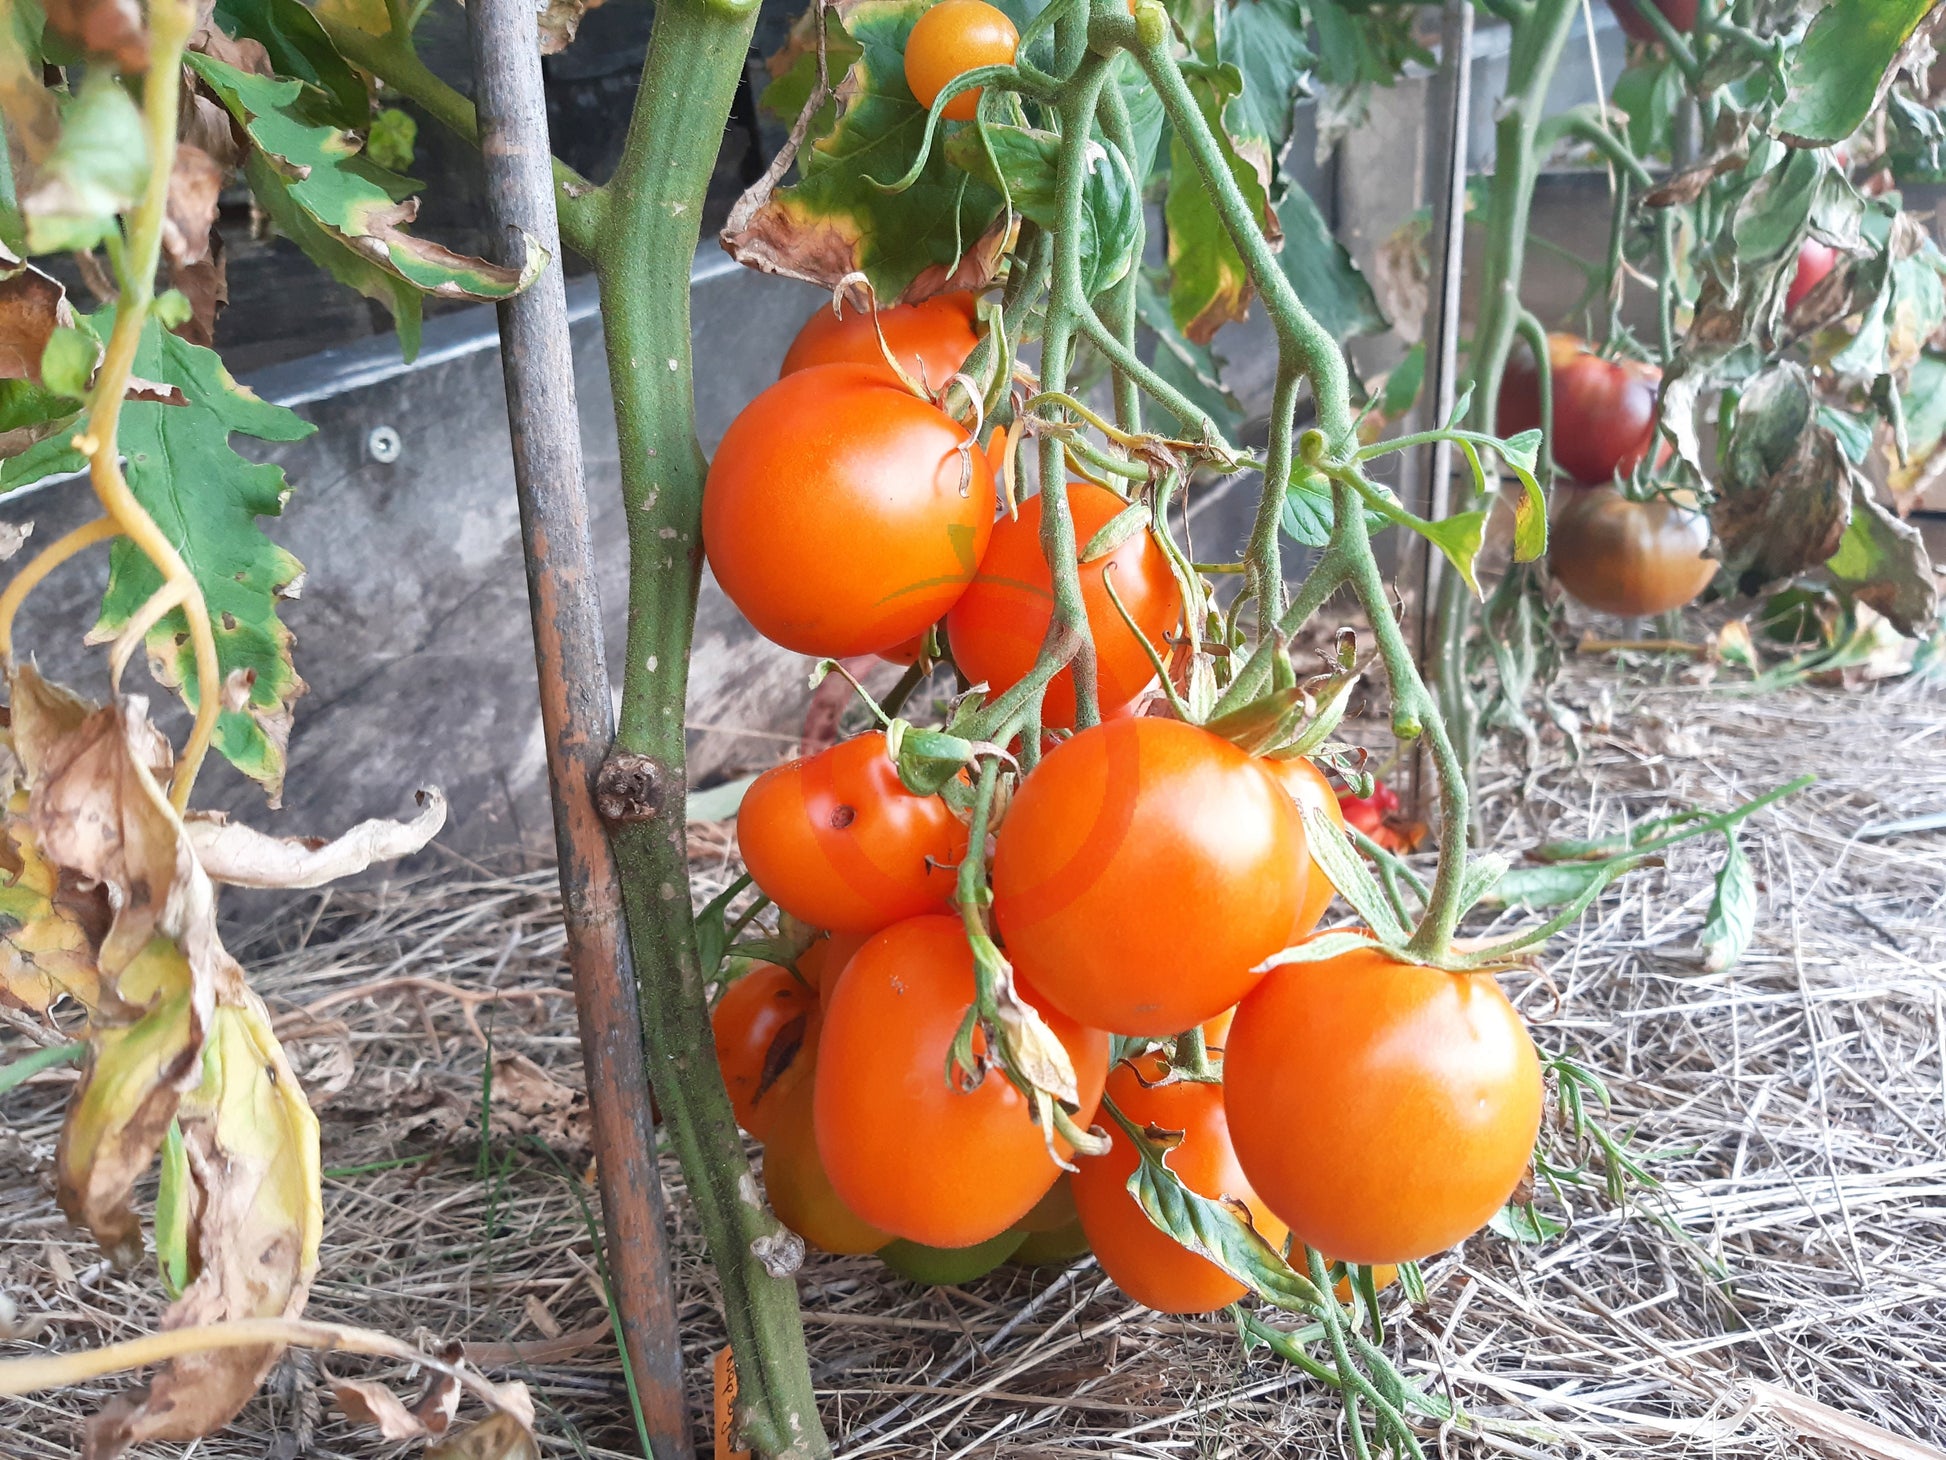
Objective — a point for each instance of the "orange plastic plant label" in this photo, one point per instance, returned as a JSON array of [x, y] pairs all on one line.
[[726, 1403]]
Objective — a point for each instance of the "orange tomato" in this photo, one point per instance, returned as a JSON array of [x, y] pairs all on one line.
[[998, 624], [825, 959], [931, 339], [950, 39], [837, 841], [800, 1189], [1383, 1110], [1384, 1274], [909, 1153], [841, 514], [1630, 558], [766, 1026], [1307, 786], [1146, 1262], [1143, 870]]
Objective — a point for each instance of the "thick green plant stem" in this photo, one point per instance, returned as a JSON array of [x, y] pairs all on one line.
[[1067, 633], [643, 252], [1540, 34]]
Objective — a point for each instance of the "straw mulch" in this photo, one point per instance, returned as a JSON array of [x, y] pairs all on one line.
[[1785, 1280]]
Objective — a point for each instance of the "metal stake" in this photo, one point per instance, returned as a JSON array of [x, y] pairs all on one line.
[[577, 709]]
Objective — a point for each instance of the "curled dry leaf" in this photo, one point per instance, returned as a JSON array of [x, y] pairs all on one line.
[[1032, 1048], [502, 1436], [245, 857], [32, 306], [195, 182], [559, 20], [44, 947]]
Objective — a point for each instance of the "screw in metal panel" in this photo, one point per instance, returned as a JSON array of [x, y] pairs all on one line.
[[384, 445]]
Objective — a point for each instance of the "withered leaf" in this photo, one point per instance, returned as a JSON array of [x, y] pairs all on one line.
[[242, 856], [112, 28], [252, 1144], [195, 182], [44, 948], [1784, 497], [32, 306], [559, 20], [503, 1436], [1882, 562], [206, 285], [1036, 1051]]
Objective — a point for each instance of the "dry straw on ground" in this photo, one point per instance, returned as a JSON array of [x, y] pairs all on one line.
[[1787, 1280]]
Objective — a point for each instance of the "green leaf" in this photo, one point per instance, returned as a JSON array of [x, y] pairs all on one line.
[[1539, 888], [1733, 910], [1403, 382], [1308, 514], [1195, 370], [1840, 69], [392, 139], [68, 362], [1264, 40], [1331, 850], [1651, 95], [1145, 115], [1021, 162], [1524, 1224], [96, 170], [945, 231], [1483, 874], [298, 46], [207, 500], [1882, 562], [1459, 537], [1320, 269], [344, 211], [794, 69], [174, 1194]]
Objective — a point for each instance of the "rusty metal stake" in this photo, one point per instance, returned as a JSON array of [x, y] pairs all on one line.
[[577, 710]]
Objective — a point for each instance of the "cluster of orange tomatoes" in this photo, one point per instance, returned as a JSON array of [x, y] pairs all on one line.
[[1142, 873]]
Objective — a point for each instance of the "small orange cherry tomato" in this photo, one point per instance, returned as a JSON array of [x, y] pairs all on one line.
[[907, 1152], [1143, 870], [950, 39], [837, 841], [1385, 1111], [799, 1188], [766, 1026], [1146, 1262], [1308, 787], [842, 514], [998, 624], [931, 339]]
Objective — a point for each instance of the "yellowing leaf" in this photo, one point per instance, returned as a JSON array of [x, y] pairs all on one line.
[[252, 1147], [44, 950]]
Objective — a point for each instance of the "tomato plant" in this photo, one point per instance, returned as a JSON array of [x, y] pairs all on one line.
[[997, 627], [932, 1163], [1628, 557], [1110, 819], [766, 1029], [1384, 1111], [843, 514], [837, 841], [930, 339], [1146, 1262]]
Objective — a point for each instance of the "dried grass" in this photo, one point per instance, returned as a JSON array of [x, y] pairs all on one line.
[[1796, 1108]]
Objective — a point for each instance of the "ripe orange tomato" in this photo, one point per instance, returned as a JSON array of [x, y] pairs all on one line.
[[836, 515], [1630, 558], [837, 841], [1604, 410], [1145, 1262], [766, 1026], [931, 338], [906, 1151], [1384, 1111], [825, 959], [997, 627], [1368, 813], [799, 1188], [950, 39], [1307, 786], [1143, 870]]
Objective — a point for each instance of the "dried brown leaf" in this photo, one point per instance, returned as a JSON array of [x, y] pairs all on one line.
[[195, 183], [245, 857], [206, 285], [501, 1436], [32, 306], [112, 28]]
